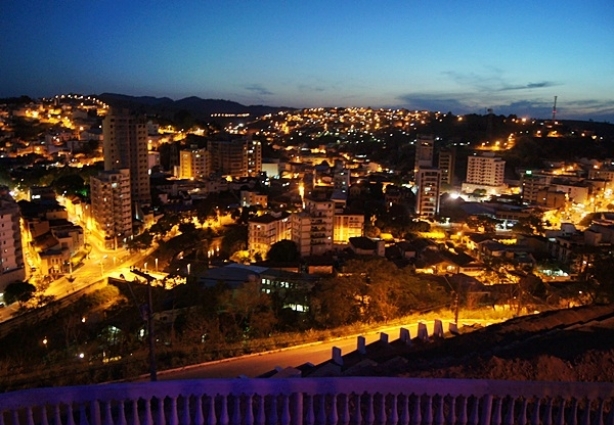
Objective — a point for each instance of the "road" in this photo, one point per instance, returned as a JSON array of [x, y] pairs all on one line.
[[257, 364]]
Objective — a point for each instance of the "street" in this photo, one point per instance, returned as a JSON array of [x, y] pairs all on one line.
[[257, 364]]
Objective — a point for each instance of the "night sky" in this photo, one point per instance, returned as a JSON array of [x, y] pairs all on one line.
[[449, 55]]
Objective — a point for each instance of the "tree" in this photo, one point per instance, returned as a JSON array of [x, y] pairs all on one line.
[[18, 291], [284, 251]]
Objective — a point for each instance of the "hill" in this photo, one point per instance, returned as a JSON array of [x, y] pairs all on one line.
[[200, 109]]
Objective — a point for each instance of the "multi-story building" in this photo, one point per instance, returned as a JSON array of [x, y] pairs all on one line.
[[112, 206], [312, 229], [531, 183], [125, 147], [265, 230], [485, 172], [447, 157], [427, 198], [235, 158], [252, 198], [194, 163], [341, 180], [424, 152], [346, 226], [11, 249]]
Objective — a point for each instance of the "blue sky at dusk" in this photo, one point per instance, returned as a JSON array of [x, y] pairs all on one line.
[[459, 56]]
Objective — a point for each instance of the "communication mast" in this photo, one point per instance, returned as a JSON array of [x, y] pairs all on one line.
[[554, 110]]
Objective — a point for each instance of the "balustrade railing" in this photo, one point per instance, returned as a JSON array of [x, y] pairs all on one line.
[[326, 401]]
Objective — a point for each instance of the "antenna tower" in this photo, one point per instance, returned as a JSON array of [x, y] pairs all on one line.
[[554, 110]]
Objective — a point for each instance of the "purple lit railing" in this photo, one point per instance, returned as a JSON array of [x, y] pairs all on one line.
[[315, 401]]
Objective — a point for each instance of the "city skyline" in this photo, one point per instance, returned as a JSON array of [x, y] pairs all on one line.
[[448, 56]]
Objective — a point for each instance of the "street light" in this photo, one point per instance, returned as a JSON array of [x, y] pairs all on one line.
[[156, 261]]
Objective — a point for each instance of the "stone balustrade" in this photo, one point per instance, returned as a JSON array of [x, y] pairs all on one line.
[[296, 401]]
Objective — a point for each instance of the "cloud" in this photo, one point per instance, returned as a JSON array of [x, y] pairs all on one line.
[[310, 88], [493, 80], [435, 102], [259, 89]]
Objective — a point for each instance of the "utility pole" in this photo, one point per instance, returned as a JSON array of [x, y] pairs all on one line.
[[153, 375]]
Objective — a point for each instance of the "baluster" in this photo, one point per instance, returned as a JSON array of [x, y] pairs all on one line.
[[70, 418], [321, 409], [82, 415], [599, 420], [381, 408], [174, 418], [428, 416], [474, 418], [370, 417], [535, 416], [186, 418], [333, 417], [29, 416], [496, 417], [394, 412], [560, 417], [161, 418], [522, 418], [462, 418], [509, 415], [358, 409], [249, 409], [2, 418], [451, 420], [416, 418], [236, 410], [285, 409], [148, 419], [404, 419], [260, 413], [15, 417], [57, 417], [586, 417], [224, 419], [122, 413], [44, 419], [211, 417], [486, 409], [439, 418], [573, 419], [298, 409], [108, 416], [134, 416], [309, 416], [272, 416], [344, 418], [548, 413]]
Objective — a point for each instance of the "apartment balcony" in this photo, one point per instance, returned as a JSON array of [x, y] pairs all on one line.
[[363, 400]]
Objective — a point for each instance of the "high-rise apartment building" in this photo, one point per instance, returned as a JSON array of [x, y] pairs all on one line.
[[485, 172], [424, 152], [112, 206], [11, 249], [446, 161], [194, 163], [427, 198], [312, 229], [265, 230], [125, 147], [346, 226], [235, 158]]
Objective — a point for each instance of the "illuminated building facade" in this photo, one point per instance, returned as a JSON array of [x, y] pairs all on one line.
[[194, 163], [11, 249], [111, 206]]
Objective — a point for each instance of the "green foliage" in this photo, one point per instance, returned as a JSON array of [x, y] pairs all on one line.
[[18, 291], [284, 251]]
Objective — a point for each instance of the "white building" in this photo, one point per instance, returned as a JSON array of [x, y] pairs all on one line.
[[424, 152], [485, 172], [125, 147], [194, 163], [265, 230], [428, 182], [111, 206], [11, 249], [313, 228]]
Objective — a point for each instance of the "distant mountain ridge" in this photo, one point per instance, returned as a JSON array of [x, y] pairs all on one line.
[[199, 108]]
